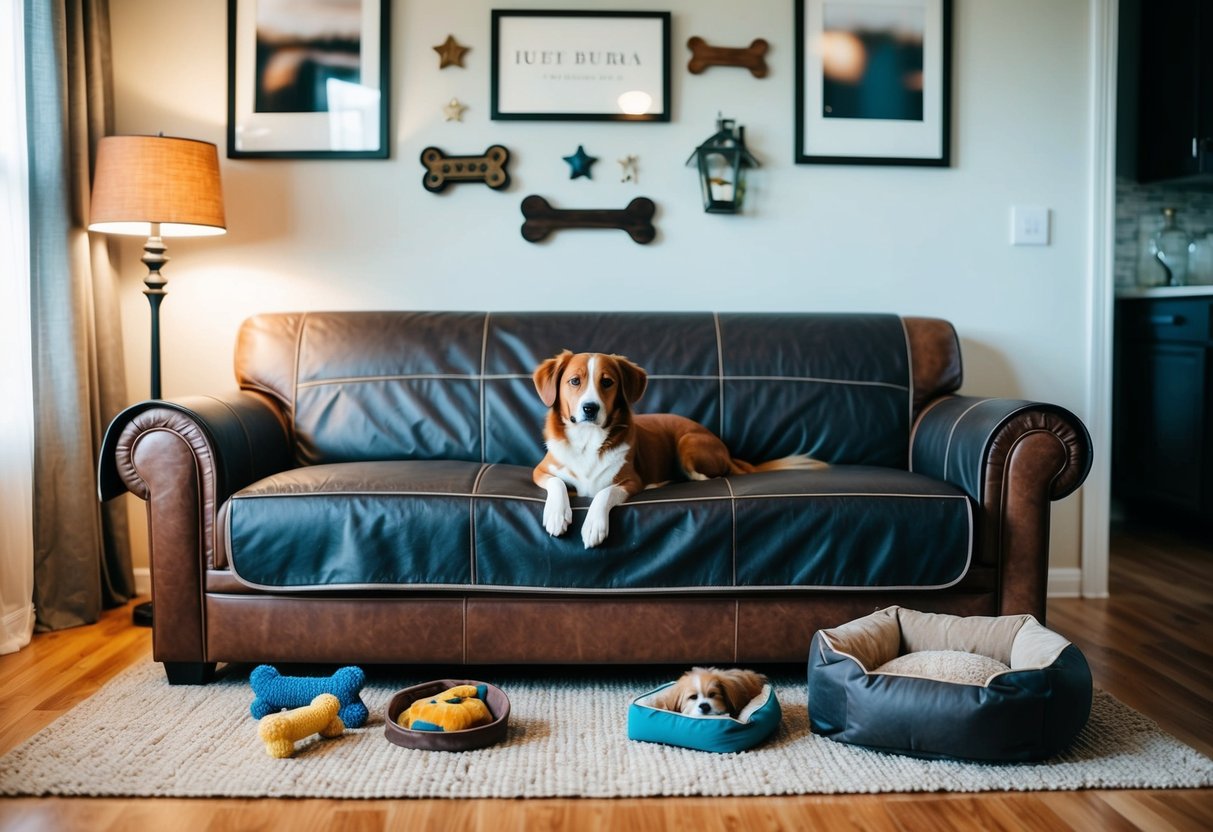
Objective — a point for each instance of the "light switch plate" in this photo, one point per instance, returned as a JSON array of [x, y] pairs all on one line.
[[1029, 225]]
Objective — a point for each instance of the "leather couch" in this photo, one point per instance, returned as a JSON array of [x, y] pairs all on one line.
[[366, 495]]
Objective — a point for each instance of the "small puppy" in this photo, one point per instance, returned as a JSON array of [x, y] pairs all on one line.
[[710, 691]]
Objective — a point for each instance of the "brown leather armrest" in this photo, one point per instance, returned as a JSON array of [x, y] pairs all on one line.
[[185, 457], [1013, 458]]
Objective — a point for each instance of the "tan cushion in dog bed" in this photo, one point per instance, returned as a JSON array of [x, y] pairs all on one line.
[[1017, 641], [946, 665]]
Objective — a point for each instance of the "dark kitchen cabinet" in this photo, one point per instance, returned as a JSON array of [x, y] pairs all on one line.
[[1163, 400], [1174, 88]]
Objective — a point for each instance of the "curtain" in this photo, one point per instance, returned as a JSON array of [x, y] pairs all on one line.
[[81, 546], [16, 381]]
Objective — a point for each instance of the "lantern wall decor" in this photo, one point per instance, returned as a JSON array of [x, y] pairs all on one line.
[[722, 161]]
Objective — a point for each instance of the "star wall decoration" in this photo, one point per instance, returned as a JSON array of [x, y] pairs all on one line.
[[579, 163], [630, 170], [454, 110], [450, 52]]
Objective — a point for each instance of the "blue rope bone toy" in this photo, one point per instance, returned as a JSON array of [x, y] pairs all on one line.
[[272, 692]]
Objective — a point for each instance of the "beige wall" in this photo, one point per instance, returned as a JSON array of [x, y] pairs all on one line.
[[364, 234]]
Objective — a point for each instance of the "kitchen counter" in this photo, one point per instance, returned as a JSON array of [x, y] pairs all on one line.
[[1128, 292]]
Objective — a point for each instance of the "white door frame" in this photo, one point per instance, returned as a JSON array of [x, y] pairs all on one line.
[[1096, 493]]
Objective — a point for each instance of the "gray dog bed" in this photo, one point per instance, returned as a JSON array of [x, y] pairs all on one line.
[[1000, 688]]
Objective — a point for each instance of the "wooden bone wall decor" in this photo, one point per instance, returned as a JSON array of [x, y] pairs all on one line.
[[442, 170], [752, 57], [542, 219]]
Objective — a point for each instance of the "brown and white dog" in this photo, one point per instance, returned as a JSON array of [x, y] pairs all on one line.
[[709, 691], [597, 446]]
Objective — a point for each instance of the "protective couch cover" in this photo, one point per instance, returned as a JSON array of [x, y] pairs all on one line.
[[419, 459]]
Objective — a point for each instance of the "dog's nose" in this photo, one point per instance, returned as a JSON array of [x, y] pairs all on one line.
[[705, 707], [589, 411]]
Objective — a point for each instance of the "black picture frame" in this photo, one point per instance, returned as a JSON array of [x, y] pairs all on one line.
[[847, 116], [580, 65], [322, 96]]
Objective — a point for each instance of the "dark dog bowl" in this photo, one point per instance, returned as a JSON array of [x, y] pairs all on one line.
[[478, 737]]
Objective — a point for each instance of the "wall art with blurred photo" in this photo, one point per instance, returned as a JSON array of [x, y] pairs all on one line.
[[873, 81], [308, 78]]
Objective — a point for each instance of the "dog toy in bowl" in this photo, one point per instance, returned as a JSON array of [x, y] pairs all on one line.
[[272, 692], [395, 722], [280, 731], [455, 709]]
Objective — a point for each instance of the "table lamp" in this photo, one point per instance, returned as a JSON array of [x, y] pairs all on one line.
[[156, 187]]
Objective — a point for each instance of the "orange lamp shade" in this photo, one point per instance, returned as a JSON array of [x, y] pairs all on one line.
[[141, 180]]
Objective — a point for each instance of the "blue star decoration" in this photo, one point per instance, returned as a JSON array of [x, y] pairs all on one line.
[[579, 163]]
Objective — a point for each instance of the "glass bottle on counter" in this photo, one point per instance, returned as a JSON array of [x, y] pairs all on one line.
[[1148, 272], [1170, 246], [1200, 259]]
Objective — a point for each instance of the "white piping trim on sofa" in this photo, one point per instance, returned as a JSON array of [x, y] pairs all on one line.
[[480, 377], [1064, 582], [637, 503]]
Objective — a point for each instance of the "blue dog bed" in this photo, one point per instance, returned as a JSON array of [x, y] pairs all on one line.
[[757, 721], [1002, 688]]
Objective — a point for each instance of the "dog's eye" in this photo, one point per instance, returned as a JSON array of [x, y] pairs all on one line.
[[607, 384], [693, 696], [574, 381]]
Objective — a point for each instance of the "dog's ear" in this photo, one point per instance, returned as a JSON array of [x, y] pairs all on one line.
[[633, 379], [670, 699], [740, 686], [547, 376]]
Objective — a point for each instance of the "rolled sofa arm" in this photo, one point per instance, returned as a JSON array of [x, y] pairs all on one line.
[[185, 457], [240, 438], [1012, 457]]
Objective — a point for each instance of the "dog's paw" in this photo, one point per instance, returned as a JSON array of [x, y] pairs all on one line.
[[557, 514], [594, 530]]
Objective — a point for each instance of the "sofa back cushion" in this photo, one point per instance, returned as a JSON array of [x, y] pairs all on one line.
[[457, 385]]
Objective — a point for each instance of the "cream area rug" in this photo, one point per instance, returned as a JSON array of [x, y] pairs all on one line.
[[567, 737]]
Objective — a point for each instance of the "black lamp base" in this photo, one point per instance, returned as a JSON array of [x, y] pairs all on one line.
[[141, 615]]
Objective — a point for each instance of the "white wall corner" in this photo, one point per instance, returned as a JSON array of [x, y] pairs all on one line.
[[1065, 582], [1095, 494], [143, 582]]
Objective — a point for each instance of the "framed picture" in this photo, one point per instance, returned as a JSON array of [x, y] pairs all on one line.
[[873, 82], [307, 79], [581, 65]]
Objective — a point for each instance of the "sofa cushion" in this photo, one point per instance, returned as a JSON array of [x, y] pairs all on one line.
[[373, 385], [468, 526], [353, 524]]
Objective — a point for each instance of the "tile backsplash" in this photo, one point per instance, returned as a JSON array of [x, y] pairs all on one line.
[[1139, 212]]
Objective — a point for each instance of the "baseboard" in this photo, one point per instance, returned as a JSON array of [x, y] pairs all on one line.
[[143, 582], [16, 629], [1065, 583]]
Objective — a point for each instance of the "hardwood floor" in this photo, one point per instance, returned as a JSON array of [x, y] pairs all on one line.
[[1150, 645]]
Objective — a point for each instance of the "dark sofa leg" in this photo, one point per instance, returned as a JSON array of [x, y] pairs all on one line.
[[189, 673]]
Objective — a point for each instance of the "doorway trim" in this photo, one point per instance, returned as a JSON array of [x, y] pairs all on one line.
[[1096, 493]]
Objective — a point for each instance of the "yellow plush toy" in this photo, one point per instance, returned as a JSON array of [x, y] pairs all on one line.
[[457, 709], [280, 731]]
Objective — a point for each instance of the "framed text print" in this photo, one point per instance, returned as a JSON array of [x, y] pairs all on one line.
[[581, 65]]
